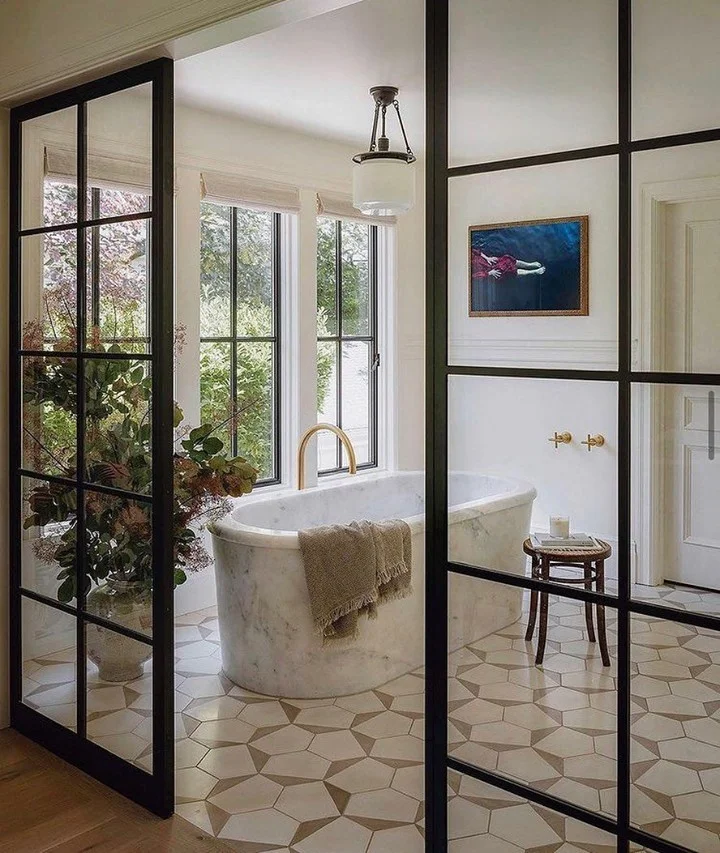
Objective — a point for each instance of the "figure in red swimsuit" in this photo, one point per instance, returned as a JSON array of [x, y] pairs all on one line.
[[504, 266]]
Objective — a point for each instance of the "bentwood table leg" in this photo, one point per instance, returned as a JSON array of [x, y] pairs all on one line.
[[587, 572], [533, 603], [542, 634], [600, 570]]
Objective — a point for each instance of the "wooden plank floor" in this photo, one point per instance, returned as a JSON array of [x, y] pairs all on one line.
[[47, 805]]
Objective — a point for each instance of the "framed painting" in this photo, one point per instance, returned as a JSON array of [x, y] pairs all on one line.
[[537, 268]]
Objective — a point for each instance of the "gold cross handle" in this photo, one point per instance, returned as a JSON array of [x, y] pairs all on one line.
[[561, 438], [594, 441]]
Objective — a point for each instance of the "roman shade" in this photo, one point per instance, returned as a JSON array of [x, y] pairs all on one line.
[[253, 193], [340, 206], [132, 175]]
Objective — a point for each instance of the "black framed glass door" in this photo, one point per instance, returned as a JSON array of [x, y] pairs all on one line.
[[577, 749], [91, 428]]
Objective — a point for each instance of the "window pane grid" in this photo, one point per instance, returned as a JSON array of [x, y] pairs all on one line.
[[240, 332], [33, 617], [347, 306]]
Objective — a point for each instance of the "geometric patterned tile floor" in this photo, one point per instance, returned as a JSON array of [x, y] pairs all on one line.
[[346, 774]]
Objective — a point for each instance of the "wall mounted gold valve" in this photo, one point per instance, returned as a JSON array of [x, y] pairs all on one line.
[[561, 438], [594, 441]]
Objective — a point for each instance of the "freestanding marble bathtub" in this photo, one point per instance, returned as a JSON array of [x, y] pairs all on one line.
[[266, 631]]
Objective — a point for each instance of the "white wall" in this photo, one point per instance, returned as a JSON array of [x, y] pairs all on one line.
[[548, 82], [530, 77], [503, 425]]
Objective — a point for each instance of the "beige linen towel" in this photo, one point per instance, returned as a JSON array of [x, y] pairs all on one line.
[[351, 568]]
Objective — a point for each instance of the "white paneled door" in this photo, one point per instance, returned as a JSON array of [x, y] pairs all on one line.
[[691, 414]]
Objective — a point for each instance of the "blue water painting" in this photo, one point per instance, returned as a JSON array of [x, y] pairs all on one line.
[[534, 268]]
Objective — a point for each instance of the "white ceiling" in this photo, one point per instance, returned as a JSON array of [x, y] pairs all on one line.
[[313, 76]]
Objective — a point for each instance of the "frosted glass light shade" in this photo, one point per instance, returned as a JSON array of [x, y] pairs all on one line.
[[383, 187]]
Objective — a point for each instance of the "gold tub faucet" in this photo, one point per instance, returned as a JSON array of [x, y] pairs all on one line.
[[305, 440]]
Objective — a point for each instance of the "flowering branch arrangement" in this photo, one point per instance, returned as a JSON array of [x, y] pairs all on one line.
[[117, 454]]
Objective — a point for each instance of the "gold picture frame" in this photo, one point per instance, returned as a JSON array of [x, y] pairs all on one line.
[[503, 280]]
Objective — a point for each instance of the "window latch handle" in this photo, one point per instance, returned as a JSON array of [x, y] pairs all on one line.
[[375, 362]]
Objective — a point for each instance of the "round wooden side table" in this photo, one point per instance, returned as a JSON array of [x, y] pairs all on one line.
[[593, 565]]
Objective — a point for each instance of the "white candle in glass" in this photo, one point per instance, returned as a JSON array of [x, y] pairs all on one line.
[[560, 526]]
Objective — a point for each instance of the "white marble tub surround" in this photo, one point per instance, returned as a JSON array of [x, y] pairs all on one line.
[[267, 636]]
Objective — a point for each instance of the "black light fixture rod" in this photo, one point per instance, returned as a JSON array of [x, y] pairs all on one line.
[[396, 104], [373, 135]]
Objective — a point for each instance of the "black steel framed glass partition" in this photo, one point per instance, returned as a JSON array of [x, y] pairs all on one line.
[[91, 432], [625, 380]]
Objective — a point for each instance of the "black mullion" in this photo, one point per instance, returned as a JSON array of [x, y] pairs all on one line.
[[162, 316], [338, 349], [276, 347], [533, 372], [624, 426], [102, 622], [669, 378], [233, 328], [110, 356], [436, 423], [14, 445], [242, 339], [373, 341], [95, 259], [675, 140], [348, 338], [84, 222], [578, 593], [533, 160], [80, 336], [89, 487], [535, 795]]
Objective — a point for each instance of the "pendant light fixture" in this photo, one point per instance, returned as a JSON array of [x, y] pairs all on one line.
[[384, 180]]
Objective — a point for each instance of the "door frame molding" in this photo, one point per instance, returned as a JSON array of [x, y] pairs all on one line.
[[649, 321]]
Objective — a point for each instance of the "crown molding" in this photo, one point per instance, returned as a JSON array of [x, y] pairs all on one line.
[[143, 37]]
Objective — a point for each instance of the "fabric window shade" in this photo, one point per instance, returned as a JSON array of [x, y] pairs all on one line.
[[338, 206], [252, 193], [103, 171]]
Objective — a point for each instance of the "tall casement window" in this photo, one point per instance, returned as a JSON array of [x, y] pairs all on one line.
[[348, 355], [240, 269]]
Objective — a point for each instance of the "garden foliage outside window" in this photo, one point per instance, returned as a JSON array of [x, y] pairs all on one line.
[[348, 356], [240, 331]]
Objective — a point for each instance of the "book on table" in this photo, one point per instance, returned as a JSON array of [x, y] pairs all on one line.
[[574, 542]]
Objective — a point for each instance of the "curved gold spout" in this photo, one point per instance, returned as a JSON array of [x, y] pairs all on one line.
[[308, 434]]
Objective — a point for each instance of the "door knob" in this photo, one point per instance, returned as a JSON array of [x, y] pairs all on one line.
[[561, 438], [594, 441]]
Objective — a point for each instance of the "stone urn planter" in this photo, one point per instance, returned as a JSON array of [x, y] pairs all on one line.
[[119, 658]]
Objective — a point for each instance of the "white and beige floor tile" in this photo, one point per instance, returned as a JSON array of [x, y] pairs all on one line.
[[320, 776]]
